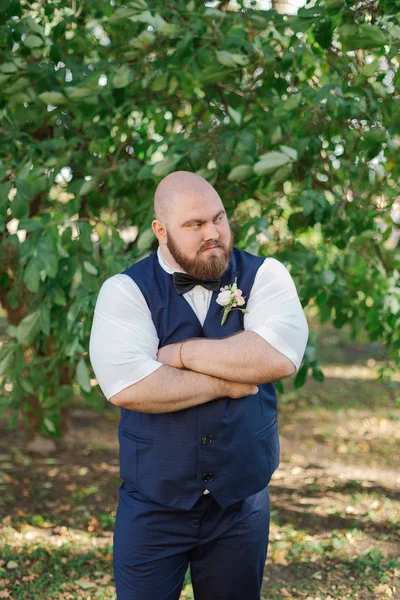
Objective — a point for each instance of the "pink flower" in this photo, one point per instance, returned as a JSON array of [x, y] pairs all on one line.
[[239, 298]]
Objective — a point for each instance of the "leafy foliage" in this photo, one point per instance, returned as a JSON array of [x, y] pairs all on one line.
[[293, 118]]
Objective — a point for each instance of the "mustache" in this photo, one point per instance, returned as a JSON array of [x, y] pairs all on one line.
[[219, 245]]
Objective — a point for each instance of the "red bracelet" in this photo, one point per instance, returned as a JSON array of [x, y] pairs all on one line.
[[180, 355]]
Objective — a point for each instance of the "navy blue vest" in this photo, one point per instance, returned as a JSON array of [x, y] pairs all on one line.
[[229, 446]]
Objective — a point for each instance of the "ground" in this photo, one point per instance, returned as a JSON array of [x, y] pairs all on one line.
[[334, 498]]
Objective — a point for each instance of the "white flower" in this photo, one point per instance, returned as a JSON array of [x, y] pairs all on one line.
[[224, 298]]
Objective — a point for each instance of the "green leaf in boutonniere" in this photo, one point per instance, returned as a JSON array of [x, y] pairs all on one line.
[[231, 297]]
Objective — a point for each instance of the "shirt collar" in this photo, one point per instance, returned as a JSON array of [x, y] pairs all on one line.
[[165, 265]]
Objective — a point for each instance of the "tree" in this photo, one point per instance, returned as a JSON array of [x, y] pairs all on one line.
[[294, 119]]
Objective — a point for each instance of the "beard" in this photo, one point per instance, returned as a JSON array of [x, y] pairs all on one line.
[[206, 265]]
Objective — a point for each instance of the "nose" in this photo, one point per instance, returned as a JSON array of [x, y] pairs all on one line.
[[211, 232]]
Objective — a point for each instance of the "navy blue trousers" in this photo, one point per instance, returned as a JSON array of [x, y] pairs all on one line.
[[225, 548]]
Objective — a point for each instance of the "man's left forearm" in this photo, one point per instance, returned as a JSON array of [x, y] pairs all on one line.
[[244, 357]]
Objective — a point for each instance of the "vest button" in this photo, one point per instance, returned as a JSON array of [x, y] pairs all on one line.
[[207, 477], [206, 439]]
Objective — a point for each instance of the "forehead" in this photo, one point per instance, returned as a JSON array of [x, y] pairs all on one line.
[[195, 206]]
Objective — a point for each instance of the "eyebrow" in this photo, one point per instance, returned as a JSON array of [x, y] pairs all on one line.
[[200, 220]]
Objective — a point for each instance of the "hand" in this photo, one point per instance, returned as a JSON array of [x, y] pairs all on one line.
[[169, 355], [235, 389]]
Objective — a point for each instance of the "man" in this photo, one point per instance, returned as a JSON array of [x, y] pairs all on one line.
[[198, 431]]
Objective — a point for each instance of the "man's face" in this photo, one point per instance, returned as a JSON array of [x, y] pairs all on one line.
[[191, 239]]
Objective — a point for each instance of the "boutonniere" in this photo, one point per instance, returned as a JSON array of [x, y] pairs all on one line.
[[230, 297]]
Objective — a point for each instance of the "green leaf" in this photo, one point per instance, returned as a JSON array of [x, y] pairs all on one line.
[[33, 26], [291, 152], [6, 361], [162, 168], [288, 105], [236, 116], [27, 385], [45, 318], [20, 84], [21, 97], [75, 93], [353, 37], [121, 77], [318, 375], [19, 207], [241, 59], [4, 191], [87, 187], [300, 376], [54, 98], [225, 58], [276, 135], [8, 67], [145, 239], [49, 425], [170, 30], [33, 41], [214, 12], [47, 254], [12, 421], [328, 277], [122, 13], [159, 83], [214, 74], [144, 39], [83, 375], [282, 174], [89, 267], [33, 224], [24, 188], [269, 162], [240, 173], [28, 327], [333, 4], [84, 584], [3, 170], [31, 276], [156, 21]]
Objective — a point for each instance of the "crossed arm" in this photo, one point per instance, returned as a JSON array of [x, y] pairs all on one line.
[[212, 369], [244, 357]]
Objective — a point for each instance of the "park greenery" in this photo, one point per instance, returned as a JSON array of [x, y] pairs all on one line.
[[294, 119]]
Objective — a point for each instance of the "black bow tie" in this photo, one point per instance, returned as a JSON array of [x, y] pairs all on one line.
[[184, 283]]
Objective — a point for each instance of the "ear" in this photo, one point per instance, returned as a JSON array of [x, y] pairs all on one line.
[[159, 230]]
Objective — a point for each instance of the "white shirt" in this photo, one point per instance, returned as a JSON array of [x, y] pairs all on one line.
[[124, 342]]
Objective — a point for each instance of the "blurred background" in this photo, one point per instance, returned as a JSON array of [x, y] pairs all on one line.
[[291, 111]]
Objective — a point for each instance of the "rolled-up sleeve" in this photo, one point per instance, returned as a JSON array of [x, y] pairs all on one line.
[[123, 342], [275, 311]]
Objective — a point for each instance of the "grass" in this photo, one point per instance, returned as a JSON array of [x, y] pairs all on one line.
[[335, 497]]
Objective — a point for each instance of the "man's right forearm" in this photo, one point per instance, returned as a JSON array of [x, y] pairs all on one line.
[[168, 389]]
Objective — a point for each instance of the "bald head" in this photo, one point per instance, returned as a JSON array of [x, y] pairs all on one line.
[[172, 193], [191, 225]]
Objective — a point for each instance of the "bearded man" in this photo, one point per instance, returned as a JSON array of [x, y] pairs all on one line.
[[188, 343]]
